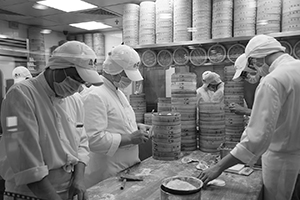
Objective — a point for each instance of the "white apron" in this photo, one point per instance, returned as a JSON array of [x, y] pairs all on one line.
[[280, 171]]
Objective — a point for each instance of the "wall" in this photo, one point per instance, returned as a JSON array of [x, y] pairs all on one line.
[[20, 32], [52, 39]]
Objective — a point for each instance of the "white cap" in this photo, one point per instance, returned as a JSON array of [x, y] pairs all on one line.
[[21, 73], [261, 46], [240, 65], [79, 55], [123, 57], [209, 77]]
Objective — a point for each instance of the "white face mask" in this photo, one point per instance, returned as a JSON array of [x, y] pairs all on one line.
[[263, 70], [67, 87], [123, 83]]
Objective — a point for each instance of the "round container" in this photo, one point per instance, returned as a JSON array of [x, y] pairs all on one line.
[[235, 51], [138, 103], [165, 58], [149, 58], [198, 56], [296, 50], [181, 56], [174, 193], [148, 118], [217, 53]]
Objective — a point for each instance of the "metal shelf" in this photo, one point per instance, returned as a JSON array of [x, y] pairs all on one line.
[[280, 35]]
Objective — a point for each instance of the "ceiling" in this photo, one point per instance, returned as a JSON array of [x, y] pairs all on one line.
[[109, 12]]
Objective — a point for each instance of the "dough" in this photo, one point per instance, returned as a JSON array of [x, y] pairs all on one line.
[[180, 185]]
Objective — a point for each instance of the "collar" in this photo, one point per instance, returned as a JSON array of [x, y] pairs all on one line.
[[109, 84], [280, 60]]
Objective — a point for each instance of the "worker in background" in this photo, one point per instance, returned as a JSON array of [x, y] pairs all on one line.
[[251, 73], [273, 130], [110, 120], [44, 148], [20, 73], [212, 89]]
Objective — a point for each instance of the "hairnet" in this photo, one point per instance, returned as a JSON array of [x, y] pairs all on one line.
[[261, 46]]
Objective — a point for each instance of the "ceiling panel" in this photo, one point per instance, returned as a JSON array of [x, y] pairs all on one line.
[[10, 2], [15, 18], [38, 21], [27, 9]]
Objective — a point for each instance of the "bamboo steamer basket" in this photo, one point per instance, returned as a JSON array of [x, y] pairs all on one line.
[[138, 104], [210, 143], [166, 144], [164, 104], [148, 118], [149, 58]]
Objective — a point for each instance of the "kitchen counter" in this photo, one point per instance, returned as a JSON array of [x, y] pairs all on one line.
[[154, 171]]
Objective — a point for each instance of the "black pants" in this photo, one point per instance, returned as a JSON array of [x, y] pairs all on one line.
[[2, 188], [296, 193]]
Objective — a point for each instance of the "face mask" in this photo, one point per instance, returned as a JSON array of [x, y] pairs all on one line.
[[67, 87], [123, 83], [263, 70], [252, 78]]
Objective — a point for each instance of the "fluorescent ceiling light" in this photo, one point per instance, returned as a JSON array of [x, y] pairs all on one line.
[[3, 36], [40, 6], [46, 31], [67, 5], [91, 25]]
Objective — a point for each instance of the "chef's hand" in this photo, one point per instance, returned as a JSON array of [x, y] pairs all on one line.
[[78, 189], [237, 109], [147, 128], [209, 174], [138, 137]]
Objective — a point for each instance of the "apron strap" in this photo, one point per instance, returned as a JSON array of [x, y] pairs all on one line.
[[19, 196]]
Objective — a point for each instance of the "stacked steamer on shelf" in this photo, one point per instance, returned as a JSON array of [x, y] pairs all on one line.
[[201, 20], [244, 18], [164, 21], [166, 141], [182, 20], [37, 48], [138, 103], [233, 93], [164, 104], [222, 19], [183, 98], [268, 16], [99, 48], [80, 38], [88, 39], [290, 15], [147, 23], [131, 14], [211, 126]]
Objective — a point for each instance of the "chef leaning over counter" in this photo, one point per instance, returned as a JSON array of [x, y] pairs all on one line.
[[110, 121], [273, 129], [44, 148]]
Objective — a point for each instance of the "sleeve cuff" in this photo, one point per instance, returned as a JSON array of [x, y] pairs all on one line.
[[116, 140], [31, 175], [244, 155]]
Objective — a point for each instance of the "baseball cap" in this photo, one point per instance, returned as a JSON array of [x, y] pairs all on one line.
[[20, 73], [79, 55], [209, 77], [123, 57], [261, 46], [240, 65]]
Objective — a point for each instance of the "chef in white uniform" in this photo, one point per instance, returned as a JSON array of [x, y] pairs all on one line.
[[273, 130], [110, 120], [212, 89]]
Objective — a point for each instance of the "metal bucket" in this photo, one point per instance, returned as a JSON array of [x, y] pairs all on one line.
[[168, 193]]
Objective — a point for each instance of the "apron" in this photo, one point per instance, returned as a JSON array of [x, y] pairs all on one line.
[[280, 171], [101, 167], [59, 178]]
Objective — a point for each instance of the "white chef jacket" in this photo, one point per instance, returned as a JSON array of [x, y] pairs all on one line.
[[274, 128], [108, 115], [43, 136]]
